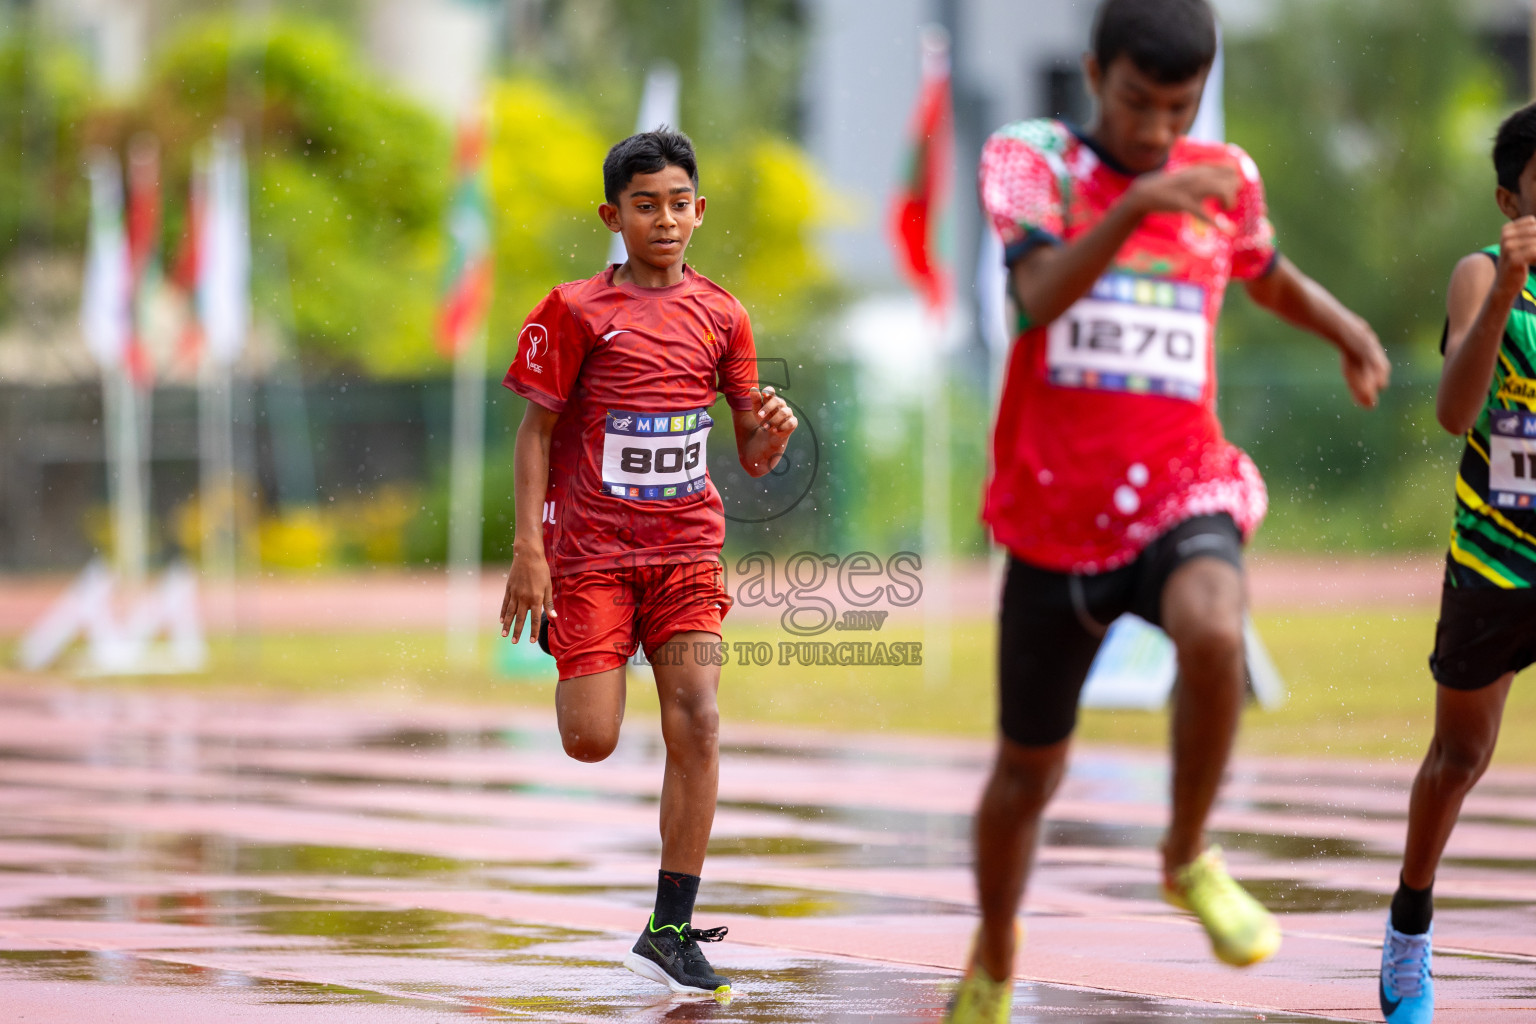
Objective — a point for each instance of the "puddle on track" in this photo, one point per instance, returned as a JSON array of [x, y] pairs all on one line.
[[154, 889]]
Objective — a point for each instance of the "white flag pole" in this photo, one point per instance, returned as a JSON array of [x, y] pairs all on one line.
[[105, 320], [223, 301], [466, 500], [658, 106], [937, 613]]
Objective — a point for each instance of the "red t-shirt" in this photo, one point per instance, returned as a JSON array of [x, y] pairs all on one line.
[[632, 372], [1107, 435]]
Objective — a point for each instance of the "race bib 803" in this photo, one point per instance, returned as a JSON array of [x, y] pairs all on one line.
[[1511, 459], [655, 456], [1137, 334]]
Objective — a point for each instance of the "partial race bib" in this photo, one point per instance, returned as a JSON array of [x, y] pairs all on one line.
[[1136, 334], [1511, 459], [655, 456]]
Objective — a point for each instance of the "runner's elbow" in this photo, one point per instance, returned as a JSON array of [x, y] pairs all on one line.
[[1455, 421]]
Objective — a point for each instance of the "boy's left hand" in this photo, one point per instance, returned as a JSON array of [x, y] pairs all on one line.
[[1364, 362], [773, 413]]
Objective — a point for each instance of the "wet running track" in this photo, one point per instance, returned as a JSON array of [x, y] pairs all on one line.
[[166, 858]]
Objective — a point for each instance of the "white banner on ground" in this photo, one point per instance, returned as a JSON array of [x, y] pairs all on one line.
[[123, 644], [1136, 668]]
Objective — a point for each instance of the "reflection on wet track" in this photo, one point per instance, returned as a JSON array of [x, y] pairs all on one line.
[[177, 859]]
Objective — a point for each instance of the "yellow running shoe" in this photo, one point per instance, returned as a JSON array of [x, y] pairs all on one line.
[[980, 1000], [1242, 932]]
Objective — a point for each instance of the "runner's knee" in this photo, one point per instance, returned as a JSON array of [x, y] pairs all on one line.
[[1214, 640], [1459, 762], [1025, 778], [690, 721], [587, 741]]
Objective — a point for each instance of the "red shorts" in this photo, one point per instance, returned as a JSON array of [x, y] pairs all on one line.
[[602, 614]]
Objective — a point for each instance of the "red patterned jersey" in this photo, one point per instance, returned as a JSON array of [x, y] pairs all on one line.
[[632, 372], [1107, 435]]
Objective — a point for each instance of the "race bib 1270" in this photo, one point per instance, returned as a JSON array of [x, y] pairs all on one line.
[[1511, 459], [1137, 334], [655, 456]]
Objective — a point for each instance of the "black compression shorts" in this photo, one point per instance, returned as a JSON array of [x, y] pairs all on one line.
[[1482, 634], [1052, 624]]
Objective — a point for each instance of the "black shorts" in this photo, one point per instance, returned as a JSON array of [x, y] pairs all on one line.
[[1482, 634], [1052, 624]]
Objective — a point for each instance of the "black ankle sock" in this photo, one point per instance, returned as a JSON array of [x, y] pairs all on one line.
[[675, 893], [1412, 909]]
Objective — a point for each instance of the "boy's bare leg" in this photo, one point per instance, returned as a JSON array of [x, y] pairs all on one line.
[[690, 727], [1466, 730], [590, 710], [1007, 833], [1203, 615]]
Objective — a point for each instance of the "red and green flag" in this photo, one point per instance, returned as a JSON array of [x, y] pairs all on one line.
[[467, 290], [916, 212], [144, 270]]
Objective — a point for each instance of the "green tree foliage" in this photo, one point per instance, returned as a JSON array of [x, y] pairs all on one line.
[[348, 182], [765, 202], [546, 181], [1372, 122], [740, 60], [44, 96]]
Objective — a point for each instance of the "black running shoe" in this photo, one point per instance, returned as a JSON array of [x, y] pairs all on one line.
[[670, 956]]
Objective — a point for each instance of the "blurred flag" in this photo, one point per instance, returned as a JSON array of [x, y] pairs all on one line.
[[915, 215], [105, 307], [658, 108], [467, 295], [222, 253], [143, 251], [188, 269]]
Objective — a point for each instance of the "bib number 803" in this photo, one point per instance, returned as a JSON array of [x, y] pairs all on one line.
[[661, 460], [1133, 339]]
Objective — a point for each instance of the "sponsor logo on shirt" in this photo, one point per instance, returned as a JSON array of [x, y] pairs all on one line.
[[1517, 389], [537, 338], [622, 424]]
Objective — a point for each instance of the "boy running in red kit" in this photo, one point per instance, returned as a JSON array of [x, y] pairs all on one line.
[[1112, 487], [618, 524]]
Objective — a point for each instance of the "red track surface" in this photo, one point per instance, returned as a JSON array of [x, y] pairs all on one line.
[[399, 600], [173, 859]]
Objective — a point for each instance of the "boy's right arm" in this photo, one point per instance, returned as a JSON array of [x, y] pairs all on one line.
[[1047, 281], [529, 590], [1477, 306]]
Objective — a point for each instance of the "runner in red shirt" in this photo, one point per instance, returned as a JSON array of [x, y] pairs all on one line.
[[618, 525], [1113, 488]]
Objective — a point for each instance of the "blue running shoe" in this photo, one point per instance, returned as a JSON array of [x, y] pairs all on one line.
[[1407, 985]]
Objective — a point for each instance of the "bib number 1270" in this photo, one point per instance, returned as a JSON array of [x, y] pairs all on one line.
[[1133, 334], [1133, 339]]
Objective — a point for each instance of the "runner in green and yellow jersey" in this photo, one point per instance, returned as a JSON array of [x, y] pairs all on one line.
[[1487, 628]]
